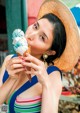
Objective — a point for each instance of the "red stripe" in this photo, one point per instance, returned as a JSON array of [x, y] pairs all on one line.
[[27, 101]]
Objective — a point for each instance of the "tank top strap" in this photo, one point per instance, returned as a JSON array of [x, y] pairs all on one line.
[[52, 68]]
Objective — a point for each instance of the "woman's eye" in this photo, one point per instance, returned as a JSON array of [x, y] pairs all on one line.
[[35, 26], [42, 37]]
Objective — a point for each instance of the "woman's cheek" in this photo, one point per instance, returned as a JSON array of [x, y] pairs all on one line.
[[29, 30]]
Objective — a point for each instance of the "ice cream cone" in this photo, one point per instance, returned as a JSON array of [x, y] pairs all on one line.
[[27, 51], [28, 68]]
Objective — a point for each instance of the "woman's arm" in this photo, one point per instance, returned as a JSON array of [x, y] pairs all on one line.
[[13, 67], [51, 84], [5, 89], [51, 93]]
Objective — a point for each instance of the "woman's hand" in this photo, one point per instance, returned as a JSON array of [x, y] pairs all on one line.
[[37, 68], [14, 67]]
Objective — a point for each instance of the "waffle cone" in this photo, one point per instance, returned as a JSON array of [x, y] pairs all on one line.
[[28, 68], [27, 51]]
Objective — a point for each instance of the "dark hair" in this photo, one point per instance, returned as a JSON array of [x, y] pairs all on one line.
[[59, 40]]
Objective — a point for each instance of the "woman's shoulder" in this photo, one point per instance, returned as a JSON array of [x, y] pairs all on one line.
[[52, 68], [55, 79], [55, 70]]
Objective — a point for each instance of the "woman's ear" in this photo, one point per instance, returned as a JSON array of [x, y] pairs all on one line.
[[50, 52]]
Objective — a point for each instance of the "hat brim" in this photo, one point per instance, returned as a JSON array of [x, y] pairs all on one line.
[[72, 50]]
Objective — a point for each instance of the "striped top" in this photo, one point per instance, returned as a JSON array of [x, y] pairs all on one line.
[[27, 105]]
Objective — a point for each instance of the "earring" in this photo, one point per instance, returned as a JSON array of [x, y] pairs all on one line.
[[45, 56]]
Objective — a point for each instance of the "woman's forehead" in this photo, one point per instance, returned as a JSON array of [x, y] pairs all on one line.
[[46, 27]]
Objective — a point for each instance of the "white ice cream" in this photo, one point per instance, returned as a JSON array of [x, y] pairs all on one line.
[[20, 44]]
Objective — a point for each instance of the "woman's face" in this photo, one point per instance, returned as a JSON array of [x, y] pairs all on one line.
[[39, 36]]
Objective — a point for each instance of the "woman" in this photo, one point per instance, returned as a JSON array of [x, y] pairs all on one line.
[[51, 41]]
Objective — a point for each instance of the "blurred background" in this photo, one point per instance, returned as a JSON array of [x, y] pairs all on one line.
[[22, 13]]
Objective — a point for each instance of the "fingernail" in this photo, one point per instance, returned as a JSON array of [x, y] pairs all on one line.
[[19, 56]]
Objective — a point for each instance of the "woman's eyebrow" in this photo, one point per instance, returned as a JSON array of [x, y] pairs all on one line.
[[37, 24]]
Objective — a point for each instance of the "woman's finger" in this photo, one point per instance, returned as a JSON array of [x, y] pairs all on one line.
[[13, 61], [15, 66], [18, 70], [16, 60], [31, 72], [32, 59], [31, 65]]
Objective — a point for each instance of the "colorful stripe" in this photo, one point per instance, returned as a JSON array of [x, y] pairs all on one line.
[[29, 105], [27, 100]]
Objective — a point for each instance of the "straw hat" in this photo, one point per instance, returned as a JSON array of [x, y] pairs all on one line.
[[72, 50]]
